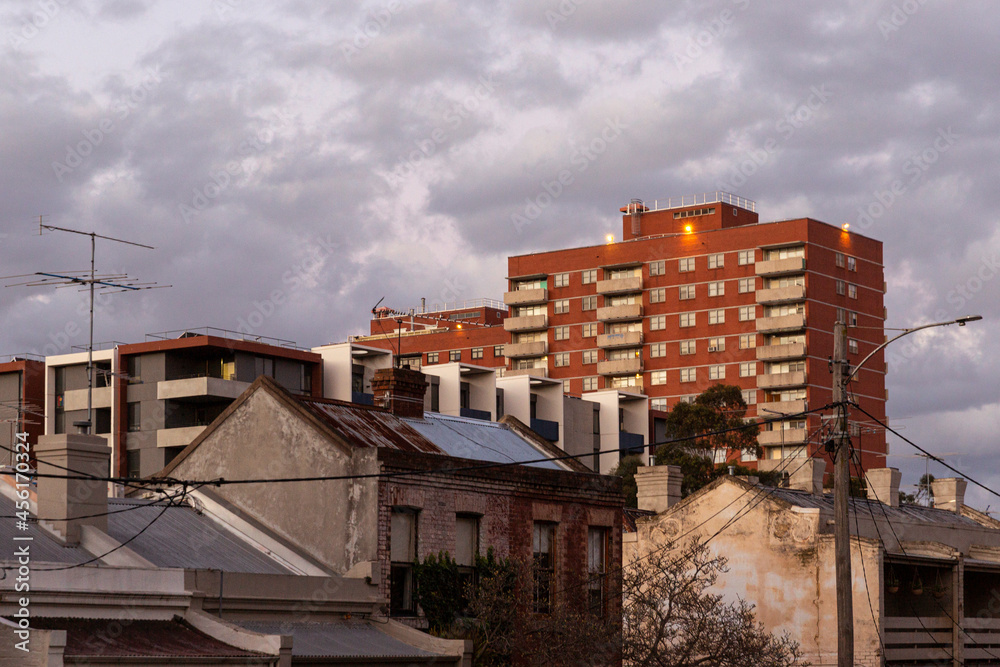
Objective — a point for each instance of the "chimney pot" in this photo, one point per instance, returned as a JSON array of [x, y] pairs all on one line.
[[883, 485], [808, 477], [401, 391], [69, 499], [659, 487], [949, 493]]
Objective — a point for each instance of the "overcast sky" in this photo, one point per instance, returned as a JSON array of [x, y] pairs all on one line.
[[295, 161]]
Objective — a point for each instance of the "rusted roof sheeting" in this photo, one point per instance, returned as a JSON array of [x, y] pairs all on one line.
[[369, 427]]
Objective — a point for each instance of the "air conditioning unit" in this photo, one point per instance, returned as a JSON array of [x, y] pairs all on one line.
[[713, 348]]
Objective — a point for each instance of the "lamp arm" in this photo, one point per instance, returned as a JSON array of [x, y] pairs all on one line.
[[905, 332]]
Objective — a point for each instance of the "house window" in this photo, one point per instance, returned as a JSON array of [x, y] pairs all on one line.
[[840, 259], [716, 261], [597, 558], [402, 553], [747, 285], [689, 374], [658, 295], [716, 344], [455, 355], [544, 562], [852, 291], [852, 346], [748, 313], [589, 302], [561, 279], [748, 369], [657, 268], [561, 306], [658, 322], [590, 356], [748, 341], [717, 288], [561, 333], [717, 372], [432, 357], [688, 346], [657, 404], [657, 350], [590, 384], [561, 359], [685, 264], [658, 377], [852, 264], [686, 292], [590, 329], [498, 350], [717, 316], [589, 276], [466, 550], [745, 257], [477, 353]]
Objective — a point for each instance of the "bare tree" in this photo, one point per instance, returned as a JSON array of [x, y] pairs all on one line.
[[670, 619]]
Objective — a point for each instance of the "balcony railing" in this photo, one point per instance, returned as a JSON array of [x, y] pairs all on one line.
[[781, 407], [519, 350], [630, 311], [526, 323], [541, 372], [620, 285], [776, 352], [472, 413], [788, 436], [624, 339], [781, 294], [619, 366], [781, 380], [546, 428], [781, 323], [631, 443], [777, 267], [526, 297]]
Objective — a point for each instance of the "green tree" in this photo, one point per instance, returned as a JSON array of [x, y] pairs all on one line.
[[626, 470], [719, 408]]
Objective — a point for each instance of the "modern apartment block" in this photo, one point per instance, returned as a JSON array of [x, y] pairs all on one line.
[[67, 392], [22, 401]]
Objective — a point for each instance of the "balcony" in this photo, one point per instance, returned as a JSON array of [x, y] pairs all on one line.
[[546, 428], [788, 436], [781, 407], [518, 350], [472, 413], [362, 398], [620, 367], [620, 285], [177, 437], [625, 339], [526, 323], [782, 294], [781, 323], [631, 443], [781, 380], [777, 352], [777, 267], [199, 387], [540, 372], [76, 399], [631, 311], [526, 297]]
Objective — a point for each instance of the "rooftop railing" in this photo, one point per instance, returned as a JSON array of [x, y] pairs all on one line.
[[705, 198], [223, 333]]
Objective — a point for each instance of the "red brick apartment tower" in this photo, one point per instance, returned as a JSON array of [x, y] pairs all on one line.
[[700, 292], [22, 402]]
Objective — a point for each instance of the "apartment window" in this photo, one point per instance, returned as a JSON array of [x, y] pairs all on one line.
[[590, 383], [624, 382], [784, 253], [853, 319], [658, 404], [619, 274], [748, 369], [561, 359], [589, 302], [716, 344], [781, 311], [852, 291], [658, 295], [852, 346], [589, 276], [786, 281], [687, 319], [748, 313], [134, 417], [657, 350], [477, 353], [402, 553], [567, 387], [841, 289], [716, 261], [590, 329], [840, 259], [747, 285], [688, 346], [750, 396], [413, 363], [745, 257], [560, 280], [134, 369], [498, 350], [455, 355], [528, 311], [717, 316], [590, 356], [544, 562], [687, 398], [657, 268], [657, 322], [622, 300], [685, 264], [841, 316], [632, 353], [561, 306], [432, 357], [532, 283], [132, 463], [689, 374], [717, 372], [685, 292], [597, 559], [852, 264], [561, 333], [717, 289], [658, 377], [786, 367]]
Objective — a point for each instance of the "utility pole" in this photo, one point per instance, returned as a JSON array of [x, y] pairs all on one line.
[[841, 486]]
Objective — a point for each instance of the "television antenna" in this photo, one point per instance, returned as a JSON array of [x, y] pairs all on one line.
[[88, 281]]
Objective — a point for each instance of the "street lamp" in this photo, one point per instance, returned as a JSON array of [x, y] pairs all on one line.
[[841, 482]]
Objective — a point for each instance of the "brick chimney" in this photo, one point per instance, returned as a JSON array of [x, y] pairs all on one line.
[[659, 487], [65, 500], [883, 485], [808, 476], [400, 390], [949, 493]]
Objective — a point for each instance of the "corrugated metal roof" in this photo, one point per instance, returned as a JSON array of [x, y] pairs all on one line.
[[44, 548], [340, 639], [479, 440], [907, 513], [369, 427], [185, 539]]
